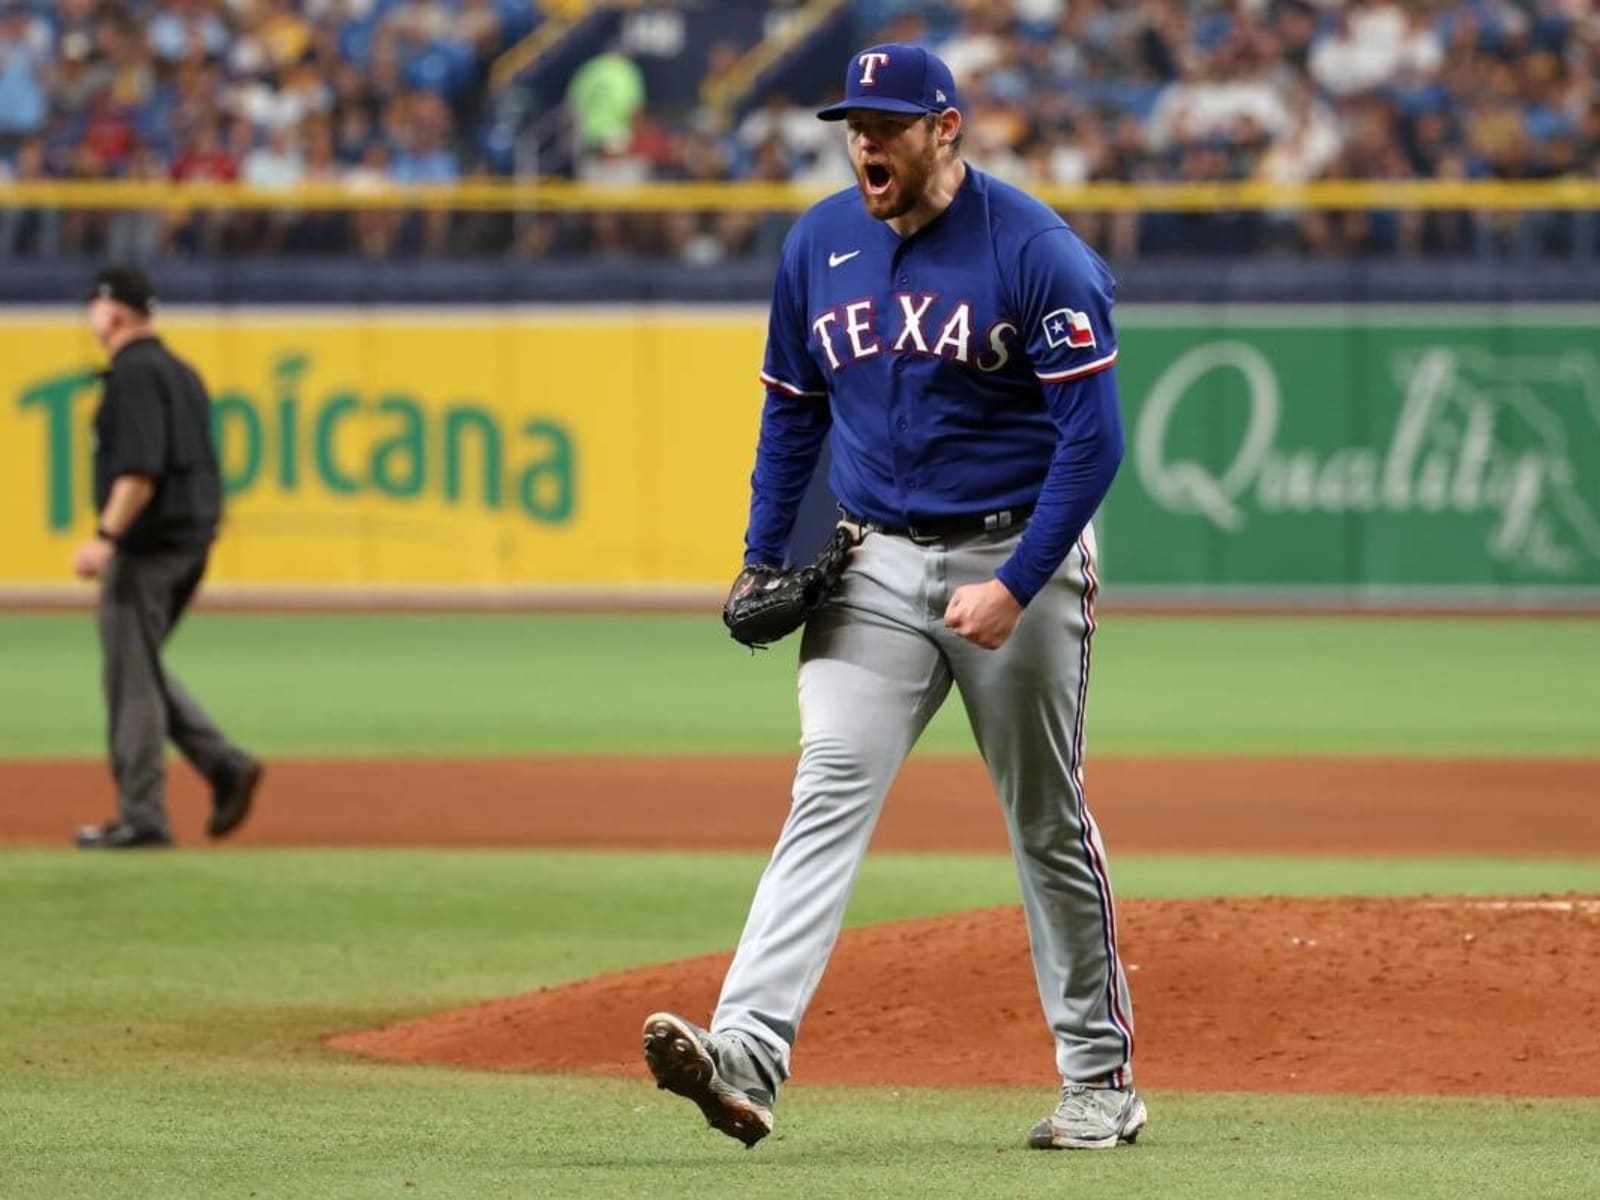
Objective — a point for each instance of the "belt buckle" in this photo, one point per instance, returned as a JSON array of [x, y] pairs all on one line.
[[922, 537]]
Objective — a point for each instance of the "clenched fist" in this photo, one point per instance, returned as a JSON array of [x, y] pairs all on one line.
[[983, 613]]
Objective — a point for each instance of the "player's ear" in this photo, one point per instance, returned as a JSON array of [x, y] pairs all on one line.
[[950, 128]]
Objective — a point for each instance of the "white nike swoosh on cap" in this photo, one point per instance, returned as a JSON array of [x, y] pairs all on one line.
[[835, 259]]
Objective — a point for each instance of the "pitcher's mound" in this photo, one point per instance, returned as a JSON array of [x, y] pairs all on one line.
[[1417, 996]]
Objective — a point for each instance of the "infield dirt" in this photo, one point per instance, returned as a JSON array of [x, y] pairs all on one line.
[[1494, 807]]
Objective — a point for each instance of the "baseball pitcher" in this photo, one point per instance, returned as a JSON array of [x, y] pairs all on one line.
[[953, 338]]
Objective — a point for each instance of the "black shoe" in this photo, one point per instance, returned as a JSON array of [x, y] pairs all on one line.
[[119, 835], [232, 791]]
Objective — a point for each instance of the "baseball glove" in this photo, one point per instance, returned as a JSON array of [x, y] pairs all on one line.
[[766, 604]]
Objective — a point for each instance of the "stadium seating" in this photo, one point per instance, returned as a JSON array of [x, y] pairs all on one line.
[[276, 92]]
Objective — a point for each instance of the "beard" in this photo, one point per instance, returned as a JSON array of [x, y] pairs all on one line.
[[892, 189]]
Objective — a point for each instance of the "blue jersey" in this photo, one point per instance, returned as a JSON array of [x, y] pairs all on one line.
[[959, 372]]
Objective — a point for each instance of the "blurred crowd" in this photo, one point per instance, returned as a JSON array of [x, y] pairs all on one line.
[[1289, 91], [1068, 91], [268, 92], [1058, 92]]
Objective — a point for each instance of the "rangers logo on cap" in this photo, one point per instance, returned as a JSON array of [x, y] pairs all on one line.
[[869, 67]]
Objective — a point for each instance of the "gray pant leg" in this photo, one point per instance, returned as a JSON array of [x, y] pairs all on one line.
[[132, 623], [870, 680], [141, 599], [1025, 702], [194, 733]]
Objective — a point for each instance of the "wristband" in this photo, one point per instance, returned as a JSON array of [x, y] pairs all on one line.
[[104, 534]]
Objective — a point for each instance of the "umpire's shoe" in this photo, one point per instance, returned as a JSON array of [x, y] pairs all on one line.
[[710, 1070], [1091, 1118], [233, 790], [119, 835]]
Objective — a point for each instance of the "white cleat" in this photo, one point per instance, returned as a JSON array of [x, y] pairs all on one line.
[[1091, 1119]]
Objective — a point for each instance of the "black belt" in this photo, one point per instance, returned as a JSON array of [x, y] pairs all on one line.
[[939, 528]]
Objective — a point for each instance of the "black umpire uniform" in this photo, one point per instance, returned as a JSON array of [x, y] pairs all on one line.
[[154, 421]]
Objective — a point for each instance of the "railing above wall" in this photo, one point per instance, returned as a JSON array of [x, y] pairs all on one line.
[[558, 196]]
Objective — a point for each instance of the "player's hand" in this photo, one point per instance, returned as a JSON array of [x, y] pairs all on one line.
[[90, 559], [983, 613]]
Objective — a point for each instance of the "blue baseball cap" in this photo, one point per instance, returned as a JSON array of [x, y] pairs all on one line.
[[895, 78]]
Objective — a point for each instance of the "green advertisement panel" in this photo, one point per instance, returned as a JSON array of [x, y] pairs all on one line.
[[1358, 453]]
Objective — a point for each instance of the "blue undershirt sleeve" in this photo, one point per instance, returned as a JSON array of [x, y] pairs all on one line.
[[793, 429], [1088, 452], [795, 419], [1063, 294]]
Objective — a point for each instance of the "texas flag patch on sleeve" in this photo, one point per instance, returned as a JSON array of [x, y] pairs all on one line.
[[1068, 327]]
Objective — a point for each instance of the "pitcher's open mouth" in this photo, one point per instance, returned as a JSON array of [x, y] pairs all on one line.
[[878, 178]]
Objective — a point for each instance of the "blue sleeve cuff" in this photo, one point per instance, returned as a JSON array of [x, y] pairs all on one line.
[[1022, 589], [1087, 455]]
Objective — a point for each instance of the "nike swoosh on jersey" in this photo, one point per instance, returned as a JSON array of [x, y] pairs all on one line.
[[835, 259]]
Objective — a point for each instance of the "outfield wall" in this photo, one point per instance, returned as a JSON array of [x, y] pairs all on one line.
[[1303, 454]]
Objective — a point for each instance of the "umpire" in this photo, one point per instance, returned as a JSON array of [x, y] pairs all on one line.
[[159, 496]]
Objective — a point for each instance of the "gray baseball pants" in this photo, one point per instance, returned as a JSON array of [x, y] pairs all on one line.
[[875, 665], [141, 599]]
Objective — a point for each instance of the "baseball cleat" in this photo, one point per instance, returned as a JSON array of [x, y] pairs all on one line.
[[1091, 1119], [119, 835], [683, 1059], [233, 790]]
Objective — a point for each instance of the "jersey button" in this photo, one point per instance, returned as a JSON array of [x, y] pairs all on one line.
[[904, 279], [902, 424]]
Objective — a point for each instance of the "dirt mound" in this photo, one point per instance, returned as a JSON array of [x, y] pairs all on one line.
[[1442, 996]]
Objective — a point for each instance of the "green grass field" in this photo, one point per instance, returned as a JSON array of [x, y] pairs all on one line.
[[161, 1017], [547, 684]]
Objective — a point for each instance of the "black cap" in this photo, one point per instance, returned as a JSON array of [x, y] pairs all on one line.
[[125, 285]]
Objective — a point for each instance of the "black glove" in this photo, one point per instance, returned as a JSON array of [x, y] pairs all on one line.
[[766, 604]]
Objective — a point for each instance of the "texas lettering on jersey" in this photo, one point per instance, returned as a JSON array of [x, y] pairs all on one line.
[[1019, 302], [915, 324]]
